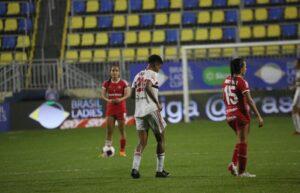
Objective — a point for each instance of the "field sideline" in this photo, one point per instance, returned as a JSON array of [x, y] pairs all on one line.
[[197, 157]]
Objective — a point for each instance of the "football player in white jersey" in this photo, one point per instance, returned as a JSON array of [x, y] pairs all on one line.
[[296, 101], [147, 115]]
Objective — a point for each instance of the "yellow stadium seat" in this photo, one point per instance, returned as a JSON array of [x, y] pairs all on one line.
[[72, 55], [243, 51], [148, 4], [205, 3], [175, 4], [144, 37], [187, 35], [262, 1], [233, 2], [73, 40], [119, 21], [6, 57], [23, 41], [174, 18], [290, 13], [273, 31], [90, 22], [156, 50], [13, 8], [247, 15], [1, 25], [133, 20], [200, 53], [11, 24], [215, 34], [76, 22], [288, 49], [161, 19], [142, 53], [158, 36], [21, 56], [217, 16], [85, 56], [129, 54], [273, 50], [228, 52], [201, 34], [101, 38], [258, 50], [99, 55], [245, 32], [114, 54], [203, 17], [130, 37], [259, 31], [261, 14], [120, 5], [87, 39], [92, 6], [214, 52], [171, 52]]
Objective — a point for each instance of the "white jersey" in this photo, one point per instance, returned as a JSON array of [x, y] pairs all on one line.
[[144, 105]]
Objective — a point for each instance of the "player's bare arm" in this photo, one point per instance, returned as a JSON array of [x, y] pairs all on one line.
[[127, 91], [150, 93], [103, 95], [251, 103]]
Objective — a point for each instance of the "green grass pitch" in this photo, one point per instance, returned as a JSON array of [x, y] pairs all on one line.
[[197, 155]]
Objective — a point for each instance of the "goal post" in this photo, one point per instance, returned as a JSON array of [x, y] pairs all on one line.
[[235, 53]]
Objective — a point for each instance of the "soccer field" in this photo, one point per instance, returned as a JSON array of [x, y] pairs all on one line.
[[197, 155]]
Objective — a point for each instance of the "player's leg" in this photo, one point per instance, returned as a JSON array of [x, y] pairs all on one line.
[[109, 130], [295, 111], [121, 126], [232, 167]]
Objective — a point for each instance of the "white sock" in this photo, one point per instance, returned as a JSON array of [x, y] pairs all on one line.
[[136, 160], [160, 162], [108, 143]]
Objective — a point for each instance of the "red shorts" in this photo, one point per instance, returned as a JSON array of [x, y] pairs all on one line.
[[237, 120], [117, 115]]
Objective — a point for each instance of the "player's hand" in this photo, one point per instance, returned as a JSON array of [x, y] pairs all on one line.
[[260, 122], [118, 100], [159, 106]]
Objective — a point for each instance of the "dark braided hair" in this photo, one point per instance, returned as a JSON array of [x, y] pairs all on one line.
[[235, 67], [111, 67]]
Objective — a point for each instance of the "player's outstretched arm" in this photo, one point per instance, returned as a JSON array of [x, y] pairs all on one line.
[[254, 108], [149, 92]]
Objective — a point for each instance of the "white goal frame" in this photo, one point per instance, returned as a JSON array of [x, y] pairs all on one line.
[[184, 50]]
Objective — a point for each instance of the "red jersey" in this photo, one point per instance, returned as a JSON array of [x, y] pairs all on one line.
[[115, 90], [234, 99]]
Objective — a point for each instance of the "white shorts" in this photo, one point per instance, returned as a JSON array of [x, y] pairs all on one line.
[[153, 120], [296, 100]]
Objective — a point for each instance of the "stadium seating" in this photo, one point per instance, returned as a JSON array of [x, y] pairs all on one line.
[[136, 28]]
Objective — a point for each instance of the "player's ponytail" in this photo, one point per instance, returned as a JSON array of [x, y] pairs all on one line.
[[236, 66]]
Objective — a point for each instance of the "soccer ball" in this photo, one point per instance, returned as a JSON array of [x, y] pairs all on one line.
[[108, 151]]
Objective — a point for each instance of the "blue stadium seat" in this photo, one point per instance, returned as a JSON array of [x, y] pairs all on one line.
[[146, 20], [9, 42], [249, 2], [229, 34], [231, 16], [162, 4], [188, 4], [136, 5], [189, 18], [25, 25], [27, 8], [78, 6], [289, 30], [107, 6], [116, 38], [277, 1], [276, 14], [104, 22], [3, 8], [172, 35], [219, 3]]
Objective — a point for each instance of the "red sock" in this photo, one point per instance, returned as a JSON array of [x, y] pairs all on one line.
[[122, 144], [235, 154], [242, 157]]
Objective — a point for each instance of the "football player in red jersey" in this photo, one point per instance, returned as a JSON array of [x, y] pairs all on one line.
[[115, 91], [237, 98]]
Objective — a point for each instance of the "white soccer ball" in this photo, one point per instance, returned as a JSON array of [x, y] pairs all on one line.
[[108, 151]]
